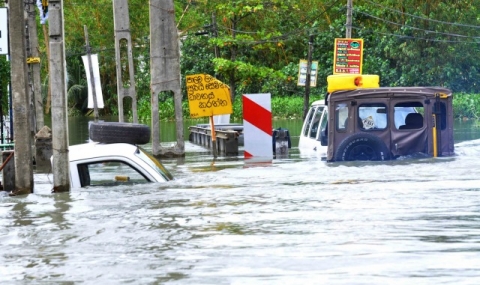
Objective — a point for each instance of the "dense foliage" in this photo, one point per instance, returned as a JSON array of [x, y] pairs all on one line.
[[254, 46]]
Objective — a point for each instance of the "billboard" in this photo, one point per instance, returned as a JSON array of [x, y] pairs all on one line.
[[348, 56], [302, 73]]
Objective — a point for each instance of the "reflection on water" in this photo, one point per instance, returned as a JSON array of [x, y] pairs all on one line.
[[78, 128], [297, 220]]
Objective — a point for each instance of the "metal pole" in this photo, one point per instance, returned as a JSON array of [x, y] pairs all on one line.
[[306, 100], [60, 167], [349, 19], [92, 79], [21, 104]]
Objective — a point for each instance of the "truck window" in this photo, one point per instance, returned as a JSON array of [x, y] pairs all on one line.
[[403, 109], [341, 116], [372, 116]]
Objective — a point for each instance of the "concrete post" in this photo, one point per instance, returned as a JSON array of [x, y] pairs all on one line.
[[21, 104], [61, 170], [8, 171], [43, 147], [122, 32], [165, 72], [34, 61]]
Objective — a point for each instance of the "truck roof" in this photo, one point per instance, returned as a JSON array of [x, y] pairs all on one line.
[[394, 92]]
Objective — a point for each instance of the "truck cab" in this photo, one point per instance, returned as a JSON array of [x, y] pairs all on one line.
[[362, 121]]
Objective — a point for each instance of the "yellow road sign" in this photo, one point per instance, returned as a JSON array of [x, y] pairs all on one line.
[[207, 96]]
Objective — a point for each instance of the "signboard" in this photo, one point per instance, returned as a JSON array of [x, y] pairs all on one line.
[[348, 56], [3, 31], [302, 73], [97, 83], [207, 96]]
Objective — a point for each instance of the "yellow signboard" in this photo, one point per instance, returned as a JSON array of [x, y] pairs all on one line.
[[348, 56], [207, 96]]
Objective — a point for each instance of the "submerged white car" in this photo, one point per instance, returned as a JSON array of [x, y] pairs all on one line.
[[99, 164]]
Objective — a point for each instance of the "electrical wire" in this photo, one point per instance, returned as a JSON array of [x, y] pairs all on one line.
[[415, 28], [422, 18], [414, 37]]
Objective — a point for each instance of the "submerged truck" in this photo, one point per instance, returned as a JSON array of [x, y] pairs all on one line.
[[358, 120]]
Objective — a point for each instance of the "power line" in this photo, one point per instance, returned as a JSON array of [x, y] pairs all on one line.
[[422, 18], [414, 37], [415, 28]]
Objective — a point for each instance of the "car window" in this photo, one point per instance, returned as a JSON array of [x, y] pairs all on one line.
[[372, 116], [109, 173]]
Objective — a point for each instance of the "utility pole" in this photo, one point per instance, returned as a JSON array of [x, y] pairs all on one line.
[[121, 21], [60, 167], [92, 79], [306, 99], [21, 103], [215, 34], [349, 19], [34, 64], [165, 72]]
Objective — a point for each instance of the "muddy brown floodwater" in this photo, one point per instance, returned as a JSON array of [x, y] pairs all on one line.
[[297, 220]]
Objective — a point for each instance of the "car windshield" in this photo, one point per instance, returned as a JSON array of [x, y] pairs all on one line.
[[154, 163]]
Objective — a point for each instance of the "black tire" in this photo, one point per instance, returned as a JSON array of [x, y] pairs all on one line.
[[116, 132], [362, 146]]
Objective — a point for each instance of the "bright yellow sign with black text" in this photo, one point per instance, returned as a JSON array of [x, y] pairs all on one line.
[[207, 96]]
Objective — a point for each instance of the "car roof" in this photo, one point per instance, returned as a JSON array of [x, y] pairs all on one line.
[[94, 149]]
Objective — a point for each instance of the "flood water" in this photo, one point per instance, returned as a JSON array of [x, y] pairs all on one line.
[[297, 220]]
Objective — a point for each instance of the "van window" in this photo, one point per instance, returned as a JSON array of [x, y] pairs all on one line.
[[341, 116], [372, 116]]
